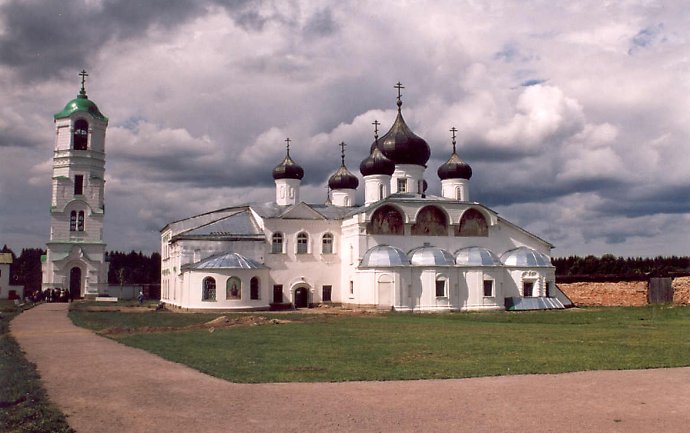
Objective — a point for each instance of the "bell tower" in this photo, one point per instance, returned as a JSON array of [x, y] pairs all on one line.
[[75, 258]]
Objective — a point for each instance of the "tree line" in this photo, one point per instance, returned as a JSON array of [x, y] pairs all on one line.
[[611, 266]]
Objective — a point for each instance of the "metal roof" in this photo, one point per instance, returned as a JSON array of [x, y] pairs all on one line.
[[383, 256], [524, 256], [227, 260], [476, 256], [431, 256]]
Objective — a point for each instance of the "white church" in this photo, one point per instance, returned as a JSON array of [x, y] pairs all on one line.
[[402, 249]]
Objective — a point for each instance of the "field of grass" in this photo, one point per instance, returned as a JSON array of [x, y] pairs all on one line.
[[415, 346], [24, 406]]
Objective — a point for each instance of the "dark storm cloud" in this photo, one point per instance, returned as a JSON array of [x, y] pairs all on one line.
[[663, 199], [537, 191], [44, 38], [10, 138], [320, 23]]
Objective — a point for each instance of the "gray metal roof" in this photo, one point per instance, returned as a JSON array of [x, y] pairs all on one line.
[[383, 256], [227, 260], [476, 256], [524, 256], [239, 224], [431, 256]]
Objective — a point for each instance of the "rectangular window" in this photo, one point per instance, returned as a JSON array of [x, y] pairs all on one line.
[[440, 287], [527, 289], [352, 288], [402, 185], [78, 184], [326, 294], [488, 288], [278, 293], [548, 289]]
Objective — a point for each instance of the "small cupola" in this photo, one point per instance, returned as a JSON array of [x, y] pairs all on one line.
[[377, 171], [454, 168], [455, 175], [376, 162], [343, 183], [81, 104], [287, 176], [288, 169]]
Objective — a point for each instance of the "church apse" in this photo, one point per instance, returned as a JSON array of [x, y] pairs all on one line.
[[386, 221], [431, 221], [472, 223]]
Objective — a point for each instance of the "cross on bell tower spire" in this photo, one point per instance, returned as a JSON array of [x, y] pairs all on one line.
[[83, 75]]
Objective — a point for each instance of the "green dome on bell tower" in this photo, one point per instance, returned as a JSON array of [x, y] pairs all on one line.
[[81, 103]]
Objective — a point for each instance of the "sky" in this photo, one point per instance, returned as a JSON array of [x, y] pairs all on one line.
[[574, 115]]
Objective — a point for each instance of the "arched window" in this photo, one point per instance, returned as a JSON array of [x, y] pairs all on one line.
[[80, 221], [233, 288], [386, 220], [441, 286], [277, 243], [254, 288], [472, 223], [381, 192], [327, 244], [81, 134], [458, 195], [431, 221], [302, 243], [208, 292], [73, 221]]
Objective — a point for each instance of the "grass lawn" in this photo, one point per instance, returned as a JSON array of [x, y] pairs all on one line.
[[415, 346], [24, 406]]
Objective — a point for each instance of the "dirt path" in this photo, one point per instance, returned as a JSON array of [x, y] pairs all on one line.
[[103, 386]]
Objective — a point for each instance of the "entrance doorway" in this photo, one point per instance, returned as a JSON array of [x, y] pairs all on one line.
[[301, 297], [75, 283]]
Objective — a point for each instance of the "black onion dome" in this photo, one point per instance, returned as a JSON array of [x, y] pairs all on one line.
[[343, 179], [455, 168], [402, 146], [288, 169], [376, 163]]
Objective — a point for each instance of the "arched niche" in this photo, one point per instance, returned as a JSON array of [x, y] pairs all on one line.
[[386, 220], [472, 223], [430, 221]]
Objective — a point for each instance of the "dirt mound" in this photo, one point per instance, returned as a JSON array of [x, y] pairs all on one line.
[[220, 322], [624, 293]]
